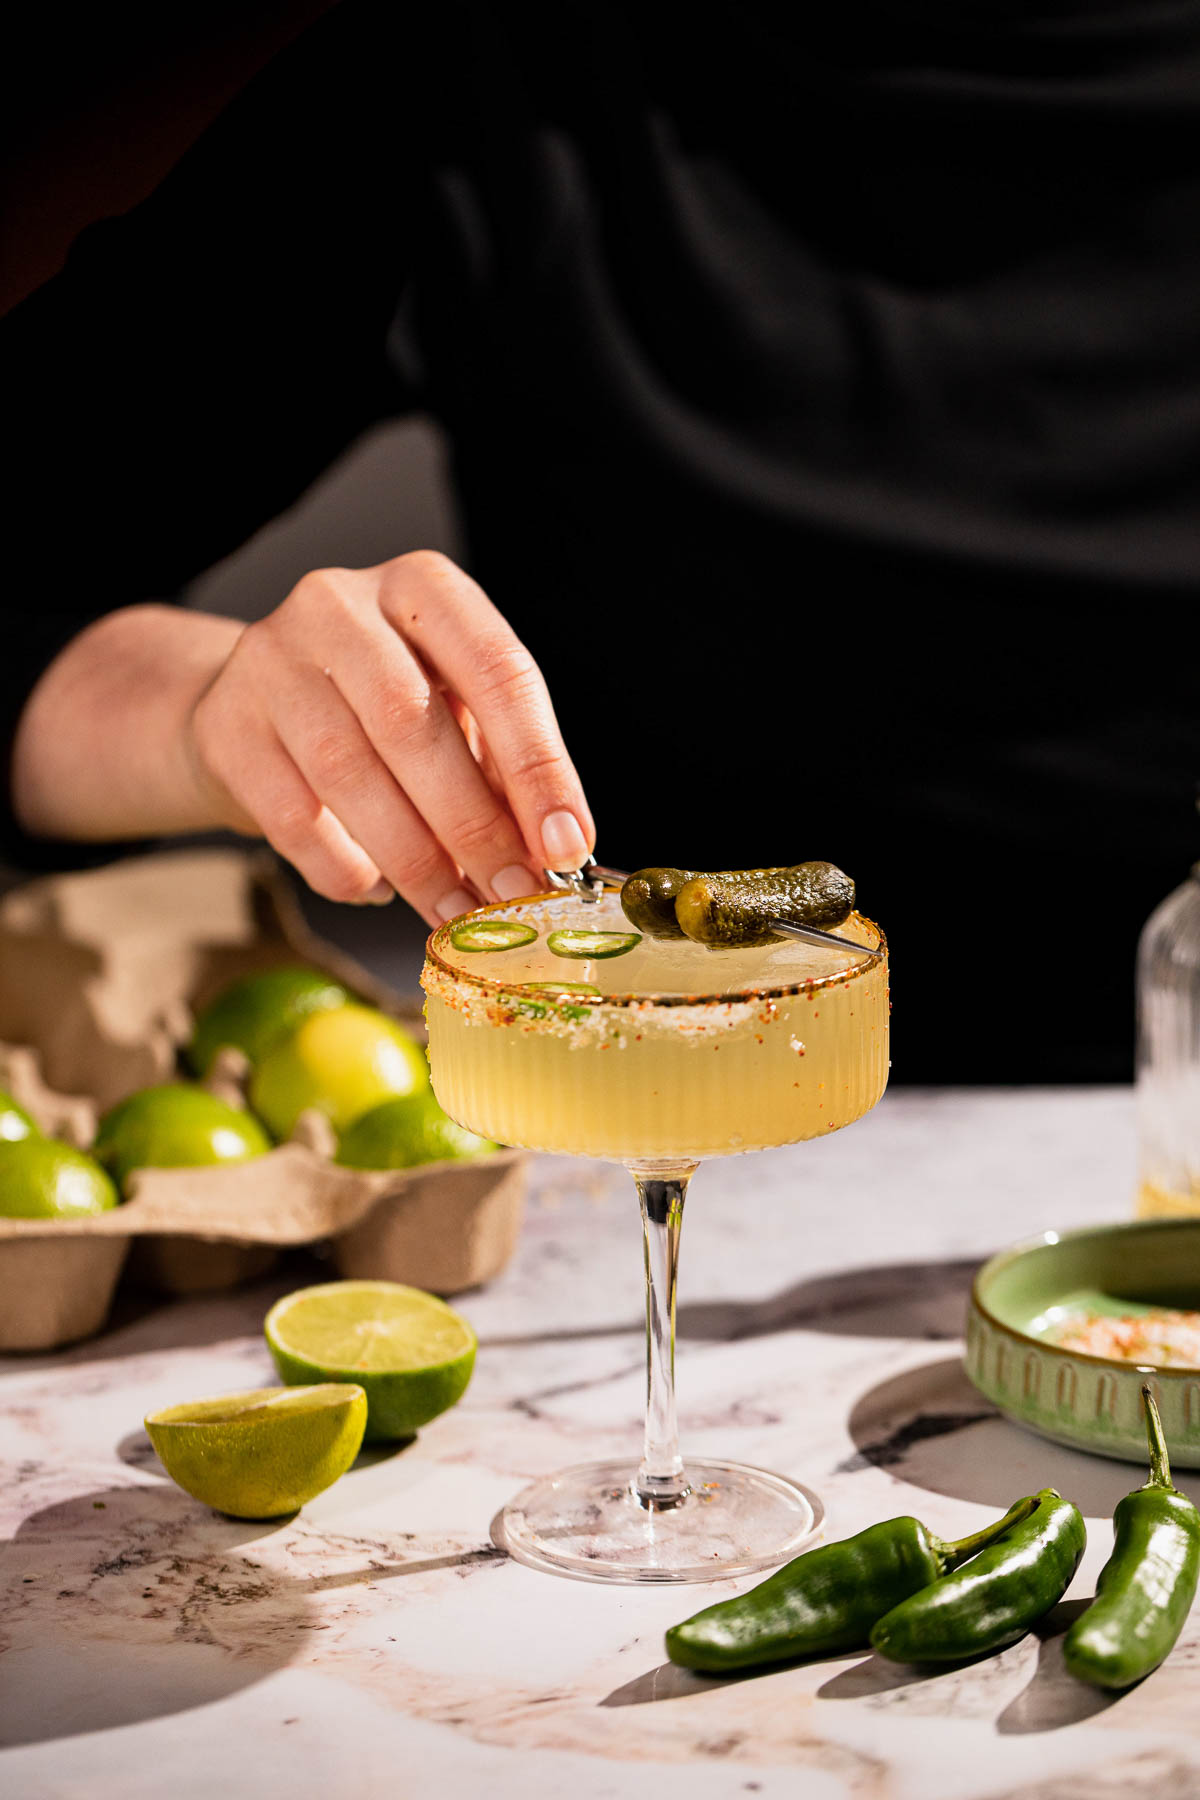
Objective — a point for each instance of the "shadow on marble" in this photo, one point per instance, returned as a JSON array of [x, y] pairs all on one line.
[[137, 1452], [892, 1300], [870, 1677], [667, 1682], [131, 1603], [1053, 1698], [463, 1560], [371, 1455], [933, 1430]]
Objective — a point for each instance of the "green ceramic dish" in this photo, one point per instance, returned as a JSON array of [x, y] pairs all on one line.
[[1089, 1402]]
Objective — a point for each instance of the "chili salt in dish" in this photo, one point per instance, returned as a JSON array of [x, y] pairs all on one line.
[[1162, 1339], [1062, 1331]]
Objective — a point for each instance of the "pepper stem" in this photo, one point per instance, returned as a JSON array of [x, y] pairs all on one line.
[[1160, 1467], [951, 1554]]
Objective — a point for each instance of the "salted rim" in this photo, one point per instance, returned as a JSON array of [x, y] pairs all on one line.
[[1045, 1240], [490, 985]]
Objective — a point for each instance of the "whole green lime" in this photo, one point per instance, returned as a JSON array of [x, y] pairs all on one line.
[[43, 1179], [256, 1013], [15, 1122], [405, 1131], [172, 1127], [340, 1063]]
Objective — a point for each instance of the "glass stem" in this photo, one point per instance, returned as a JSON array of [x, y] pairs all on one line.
[[660, 1482]]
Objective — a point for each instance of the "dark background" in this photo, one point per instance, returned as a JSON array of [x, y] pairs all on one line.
[[97, 107], [96, 111]]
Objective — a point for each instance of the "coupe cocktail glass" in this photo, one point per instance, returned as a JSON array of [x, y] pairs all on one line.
[[656, 1058]]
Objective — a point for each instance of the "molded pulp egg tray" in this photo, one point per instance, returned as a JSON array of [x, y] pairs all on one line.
[[101, 975]]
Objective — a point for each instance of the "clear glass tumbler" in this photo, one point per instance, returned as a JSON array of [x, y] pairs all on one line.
[[1168, 1055]]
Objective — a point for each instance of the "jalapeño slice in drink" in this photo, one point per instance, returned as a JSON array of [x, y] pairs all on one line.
[[491, 934]]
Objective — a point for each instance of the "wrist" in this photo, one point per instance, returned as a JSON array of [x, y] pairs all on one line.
[[102, 749]]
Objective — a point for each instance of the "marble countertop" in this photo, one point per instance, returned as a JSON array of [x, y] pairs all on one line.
[[377, 1644]]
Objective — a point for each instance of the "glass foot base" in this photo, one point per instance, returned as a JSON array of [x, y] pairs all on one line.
[[587, 1522]]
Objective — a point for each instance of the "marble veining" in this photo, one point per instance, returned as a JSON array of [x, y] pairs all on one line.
[[379, 1644]]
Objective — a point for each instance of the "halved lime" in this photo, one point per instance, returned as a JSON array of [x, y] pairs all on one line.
[[491, 934], [593, 943], [256, 1013], [411, 1353], [258, 1454]]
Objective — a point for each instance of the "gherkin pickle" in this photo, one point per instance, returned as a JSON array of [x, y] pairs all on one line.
[[648, 896], [738, 910], [648, 900]]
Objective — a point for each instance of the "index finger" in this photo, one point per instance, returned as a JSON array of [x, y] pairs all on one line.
[[468, 643]]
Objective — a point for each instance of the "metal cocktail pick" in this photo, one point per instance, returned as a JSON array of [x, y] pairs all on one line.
[[589, 881]]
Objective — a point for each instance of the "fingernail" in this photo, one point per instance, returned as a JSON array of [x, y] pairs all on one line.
[[513, 882], [563, 842], [380, 894], [450, 905]]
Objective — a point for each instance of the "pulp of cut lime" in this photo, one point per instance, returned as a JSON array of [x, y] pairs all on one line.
[[412, 1355]]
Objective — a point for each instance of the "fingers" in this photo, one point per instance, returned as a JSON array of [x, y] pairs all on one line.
[[457, 631], [417, 738], [385, 727], [268, 792], [415, 833]]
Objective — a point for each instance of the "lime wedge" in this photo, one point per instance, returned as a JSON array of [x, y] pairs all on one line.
[[261, 1453], [408, 1350], [491, 934], [593, 943]]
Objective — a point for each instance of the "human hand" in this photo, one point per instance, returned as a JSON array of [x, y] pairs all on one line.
[[386, 731]]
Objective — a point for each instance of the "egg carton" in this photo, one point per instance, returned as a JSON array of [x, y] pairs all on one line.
[[101, 976]]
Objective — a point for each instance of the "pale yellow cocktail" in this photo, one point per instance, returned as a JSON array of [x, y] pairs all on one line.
[[681, 1051], [657, 1055]]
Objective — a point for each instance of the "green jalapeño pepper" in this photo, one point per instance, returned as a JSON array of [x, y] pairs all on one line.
[[1145, 1589], [996, 1598], [826, 1600]]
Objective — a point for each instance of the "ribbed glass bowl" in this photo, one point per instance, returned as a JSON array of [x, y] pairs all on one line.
[[1089, 1402]]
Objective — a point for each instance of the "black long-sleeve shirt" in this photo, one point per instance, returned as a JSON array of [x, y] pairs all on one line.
[[824, 395]]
